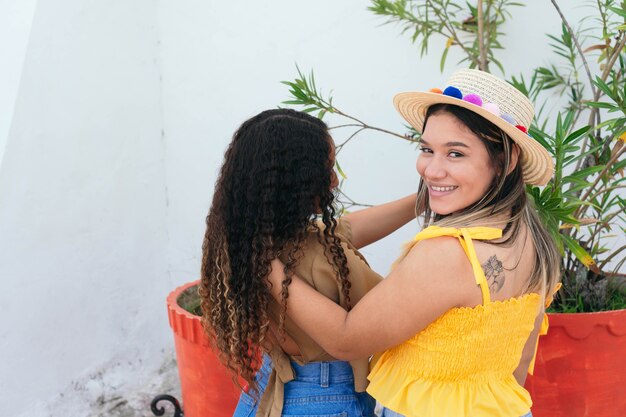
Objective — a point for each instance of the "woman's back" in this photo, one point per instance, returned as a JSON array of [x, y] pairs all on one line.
[[464, 361], [315, 268], [507, 268]]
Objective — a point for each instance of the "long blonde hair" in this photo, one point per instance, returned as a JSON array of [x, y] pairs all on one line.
[[506, 198]]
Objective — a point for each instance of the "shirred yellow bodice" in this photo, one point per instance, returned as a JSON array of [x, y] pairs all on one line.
[[462, 364]]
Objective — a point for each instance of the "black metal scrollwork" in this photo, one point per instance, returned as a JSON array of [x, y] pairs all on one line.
[[159, 411]]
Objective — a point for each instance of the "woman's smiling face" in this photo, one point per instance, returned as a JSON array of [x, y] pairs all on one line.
[[454, 164]]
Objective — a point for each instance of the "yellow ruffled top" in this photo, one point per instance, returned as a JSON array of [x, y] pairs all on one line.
[[462, 364]]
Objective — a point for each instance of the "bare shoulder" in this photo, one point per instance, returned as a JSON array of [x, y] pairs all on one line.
[[442, 258], [439, 251]]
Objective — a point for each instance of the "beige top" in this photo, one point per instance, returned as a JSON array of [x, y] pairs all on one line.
[[315, 269]]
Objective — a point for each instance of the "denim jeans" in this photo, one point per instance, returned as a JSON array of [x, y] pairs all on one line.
[[388, 413], [320, 389]]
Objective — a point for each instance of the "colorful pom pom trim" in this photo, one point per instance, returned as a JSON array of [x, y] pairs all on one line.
[[508, 118], [492, 108], [453, 92], [476, 100]]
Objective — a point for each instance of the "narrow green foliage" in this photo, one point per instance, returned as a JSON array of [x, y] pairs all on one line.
[[305, 93], [455, 22]]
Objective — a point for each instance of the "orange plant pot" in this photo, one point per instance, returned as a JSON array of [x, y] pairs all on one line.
[[207, 386], [581, 366]]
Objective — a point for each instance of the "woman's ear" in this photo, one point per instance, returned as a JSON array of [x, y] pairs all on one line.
[[514, 158]]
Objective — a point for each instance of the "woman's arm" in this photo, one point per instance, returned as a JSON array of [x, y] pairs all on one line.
[[529, 351], [434, 277], [374, 223]]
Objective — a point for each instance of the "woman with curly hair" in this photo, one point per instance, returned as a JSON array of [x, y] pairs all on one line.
[[274, 198]]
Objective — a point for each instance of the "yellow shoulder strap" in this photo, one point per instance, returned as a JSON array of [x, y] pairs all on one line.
[[465, 236]]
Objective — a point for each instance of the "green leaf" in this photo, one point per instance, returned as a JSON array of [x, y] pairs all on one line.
[[584, 173], [605, 88], [498, 64], [577, 134], [443, 58], [340, 171], [618, 165], [602, 105], [620, 12], [579, 252]]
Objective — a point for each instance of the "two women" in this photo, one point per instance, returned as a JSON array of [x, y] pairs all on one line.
[[274, 199], [454, 325]]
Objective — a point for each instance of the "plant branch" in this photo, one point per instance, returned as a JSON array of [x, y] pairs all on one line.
[[616, 269], [389, 132], [366, 126], [575, 39], [481, 38], [605, 189], [445, 20], [338, 148], [595, 112], [350, 201], [611, 256], [619, 45], [601, 224], [608, 166], [346, 125], [339, 112]]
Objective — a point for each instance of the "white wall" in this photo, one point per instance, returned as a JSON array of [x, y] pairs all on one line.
[[122, 116], [83, 247], [15, 20]]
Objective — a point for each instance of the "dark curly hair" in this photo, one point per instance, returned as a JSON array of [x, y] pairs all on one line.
[[275, 182]]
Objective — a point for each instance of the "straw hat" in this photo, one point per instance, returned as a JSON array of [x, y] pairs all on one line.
[[495, 100]]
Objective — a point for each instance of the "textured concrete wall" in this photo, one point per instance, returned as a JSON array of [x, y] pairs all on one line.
[[83, 255], [16, 17]]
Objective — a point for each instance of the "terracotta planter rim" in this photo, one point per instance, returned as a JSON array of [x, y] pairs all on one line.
[[183, 323], [172, 299], [580, 325], [587, 314]]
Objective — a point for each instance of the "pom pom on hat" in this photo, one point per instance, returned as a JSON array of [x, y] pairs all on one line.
[[503, 104], [453, 92], [474, 99], [492, 108], [508, 118], [436, 90]]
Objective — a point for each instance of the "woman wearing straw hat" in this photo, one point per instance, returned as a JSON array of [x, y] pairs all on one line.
[[457, 318], [276, 179]]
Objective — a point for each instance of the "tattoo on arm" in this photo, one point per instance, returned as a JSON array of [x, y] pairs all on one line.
[[494, 272]]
